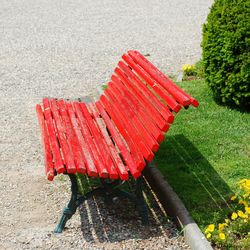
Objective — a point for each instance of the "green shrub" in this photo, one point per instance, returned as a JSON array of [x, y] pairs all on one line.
[[226, 51]]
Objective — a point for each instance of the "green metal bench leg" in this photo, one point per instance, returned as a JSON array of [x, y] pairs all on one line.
[[140, 202], [71, 207], [76, 201], [109, 191]]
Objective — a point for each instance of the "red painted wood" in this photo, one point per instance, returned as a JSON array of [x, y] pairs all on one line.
[[150, 97], [100, 165], [121, 125], [73, 142], [136, 108], [61, 134], [141, 111], [170, 101], [123, 129], [93, 110], [132, 129], [194, 102], [132, 166], [133, 115], [58, 162], [108, 144], [99, 142], [151, 109], [182, 99], [48, 158], [87, 156]]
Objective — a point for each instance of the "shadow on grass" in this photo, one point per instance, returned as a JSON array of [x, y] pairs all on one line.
[[242, 109], [203, 191]]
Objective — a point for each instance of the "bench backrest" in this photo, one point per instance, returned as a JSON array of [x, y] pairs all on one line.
[[142, 101]]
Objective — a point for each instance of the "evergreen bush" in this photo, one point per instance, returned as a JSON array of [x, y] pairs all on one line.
[[226, 51]]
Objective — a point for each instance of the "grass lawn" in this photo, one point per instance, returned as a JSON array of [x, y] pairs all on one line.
[[205, 153]]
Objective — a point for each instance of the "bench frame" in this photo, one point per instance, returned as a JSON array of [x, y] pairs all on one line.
[[102, 142], [108, 189]]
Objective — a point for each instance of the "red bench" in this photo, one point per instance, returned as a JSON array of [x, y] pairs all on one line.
[[115, 137]]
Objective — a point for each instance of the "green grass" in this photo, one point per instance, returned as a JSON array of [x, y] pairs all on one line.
[[205, 153]]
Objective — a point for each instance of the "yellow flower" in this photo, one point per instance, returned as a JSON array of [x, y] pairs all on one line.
[[247, 210], [234, 216], [242, 181], [246, 195], [233, 197], [184, 67], [245, 184], [208, 235], [210, 228], [222, 236], [243, 202], [227, 221], [222, 226], [241, 214]]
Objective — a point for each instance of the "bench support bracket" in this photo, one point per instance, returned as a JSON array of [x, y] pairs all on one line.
[[108, 190]]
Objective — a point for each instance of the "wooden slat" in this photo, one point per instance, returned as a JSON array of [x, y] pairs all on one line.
[[150, 97], [170, 101], [73, 142], [102, 171], [194, 102], [121, 124], [133, 167], [151, 109], [133, 115], [91, 106], [158, 76], [48, 158], [122, 127], [132, 129], [99, 143], [141, 111], [88, 160], [59, 166], [108, 144], [61, 134]]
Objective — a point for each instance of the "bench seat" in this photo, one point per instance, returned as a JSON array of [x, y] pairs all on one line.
[[114, 136]]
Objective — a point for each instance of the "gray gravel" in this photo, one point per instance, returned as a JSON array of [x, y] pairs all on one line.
[[66, 49]]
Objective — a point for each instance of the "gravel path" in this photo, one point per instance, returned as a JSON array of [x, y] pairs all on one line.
[[65, 49]]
